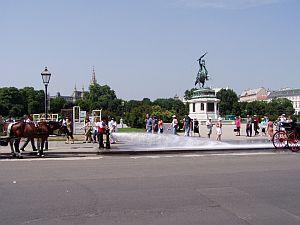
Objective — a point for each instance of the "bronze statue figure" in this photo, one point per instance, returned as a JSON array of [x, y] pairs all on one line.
[[202, 74]]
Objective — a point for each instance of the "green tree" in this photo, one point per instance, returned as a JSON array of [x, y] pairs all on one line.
[[228, 99], [100, 97], [279, 106], [57, 103], [188, 94], [11, 99]]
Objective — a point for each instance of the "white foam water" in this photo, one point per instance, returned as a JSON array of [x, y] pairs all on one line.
[[145, 141]]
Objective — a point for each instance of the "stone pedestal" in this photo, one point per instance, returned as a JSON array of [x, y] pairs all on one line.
[[204, 104]]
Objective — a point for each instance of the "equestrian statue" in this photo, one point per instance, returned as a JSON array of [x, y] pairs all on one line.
[[202, 74]]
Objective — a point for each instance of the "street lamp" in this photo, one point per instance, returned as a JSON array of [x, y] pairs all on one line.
[[46, 78]]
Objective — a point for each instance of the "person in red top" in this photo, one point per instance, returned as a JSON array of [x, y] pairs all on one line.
[[238, 125], [101, 131]]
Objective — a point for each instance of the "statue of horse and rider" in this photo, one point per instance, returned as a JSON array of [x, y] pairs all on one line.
[[202, 74]]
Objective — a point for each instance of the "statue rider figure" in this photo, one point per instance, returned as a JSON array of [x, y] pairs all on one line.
[[202, 74]]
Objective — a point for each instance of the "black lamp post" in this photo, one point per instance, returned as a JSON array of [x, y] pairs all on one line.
[[46, 78]]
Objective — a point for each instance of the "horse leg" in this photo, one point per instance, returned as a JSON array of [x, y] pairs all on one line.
[[17, 146], [41, 150], [11, 143], [32, 144], [25, 144]]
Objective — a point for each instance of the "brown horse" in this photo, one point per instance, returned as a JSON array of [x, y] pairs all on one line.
[[30, 130]]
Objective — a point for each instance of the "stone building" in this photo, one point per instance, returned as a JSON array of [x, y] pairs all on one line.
[[258, 94], [292, 94]]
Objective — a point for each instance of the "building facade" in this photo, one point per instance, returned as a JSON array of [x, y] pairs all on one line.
[[292, 94], [258, 94], [78, 94]]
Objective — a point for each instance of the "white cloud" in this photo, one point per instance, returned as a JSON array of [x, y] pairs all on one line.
[[225, 4]]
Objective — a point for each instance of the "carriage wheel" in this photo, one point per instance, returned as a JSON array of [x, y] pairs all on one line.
[[293, 141], [280, 139]]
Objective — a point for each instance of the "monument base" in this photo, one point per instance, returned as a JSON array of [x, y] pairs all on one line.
[[204, 105]]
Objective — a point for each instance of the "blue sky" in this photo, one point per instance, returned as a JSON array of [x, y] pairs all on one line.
[[149, 48]]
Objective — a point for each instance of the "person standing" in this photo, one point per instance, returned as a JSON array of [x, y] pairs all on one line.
[[196, 127], [174, 125], [112, 125], [87, 130], [263, 126], [160, 126], [149, 123], [95, 129], [69, 131], [270, 130], [155, 125], [255, 124], [209, 126], [187, 125], [249, 126], [238, 125], [219, 129], [101, 131]]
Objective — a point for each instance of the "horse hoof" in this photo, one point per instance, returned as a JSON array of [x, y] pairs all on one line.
[[14, 155], [42, 156], [20, 157]]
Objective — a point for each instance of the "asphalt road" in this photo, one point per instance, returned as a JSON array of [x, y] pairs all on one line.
[[176, 189]]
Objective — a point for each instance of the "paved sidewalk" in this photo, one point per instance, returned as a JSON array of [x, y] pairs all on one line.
[[143, 142]]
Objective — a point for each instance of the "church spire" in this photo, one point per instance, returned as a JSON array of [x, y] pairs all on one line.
[[93, 80]]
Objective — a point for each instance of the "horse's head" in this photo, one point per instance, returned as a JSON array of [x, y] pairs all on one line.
[[54, 125]]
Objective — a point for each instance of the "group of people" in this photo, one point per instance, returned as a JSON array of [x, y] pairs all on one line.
[[93, 130], [154, 125], [259, 125], [190, 126]]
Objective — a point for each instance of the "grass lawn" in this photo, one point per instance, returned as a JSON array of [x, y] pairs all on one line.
[[131, 130]]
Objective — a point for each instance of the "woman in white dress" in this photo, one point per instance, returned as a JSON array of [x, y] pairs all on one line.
[[219, 129]]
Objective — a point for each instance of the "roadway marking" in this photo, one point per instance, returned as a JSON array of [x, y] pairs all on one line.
[[52, 159], [204, 155], [141, 157]]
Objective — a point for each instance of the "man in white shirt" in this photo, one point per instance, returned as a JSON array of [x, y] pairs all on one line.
[[209, 126], [112, 125]]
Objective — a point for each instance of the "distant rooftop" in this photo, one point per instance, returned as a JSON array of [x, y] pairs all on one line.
[[286, 92]]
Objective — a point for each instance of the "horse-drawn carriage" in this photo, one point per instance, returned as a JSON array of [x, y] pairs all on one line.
[[287, 136], [11, 133]]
